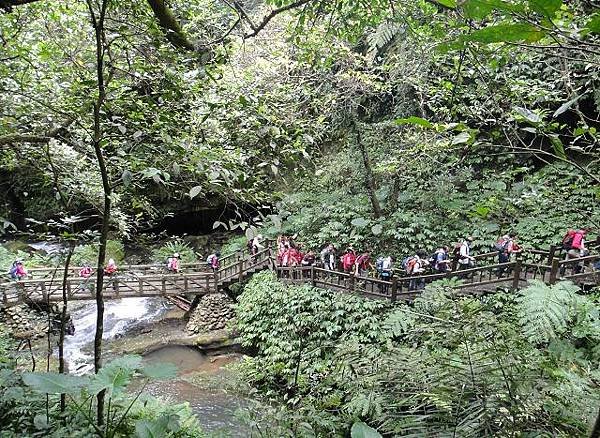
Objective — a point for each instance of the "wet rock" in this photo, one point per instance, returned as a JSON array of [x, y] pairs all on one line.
[[213, 312]]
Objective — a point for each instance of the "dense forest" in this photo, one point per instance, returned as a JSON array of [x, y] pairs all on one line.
[[392, 126]]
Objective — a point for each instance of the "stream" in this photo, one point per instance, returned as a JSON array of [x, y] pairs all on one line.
[[119, 316], [131, 322], [214, 407]]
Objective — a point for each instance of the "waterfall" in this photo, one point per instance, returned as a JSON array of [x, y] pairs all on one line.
[[119, 316]]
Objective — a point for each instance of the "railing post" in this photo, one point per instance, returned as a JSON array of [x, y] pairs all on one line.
[[394, 289], [313, 280], [554, 271], [517, 274], [216, 282], [351, 280], [551, 253], [241, 269]]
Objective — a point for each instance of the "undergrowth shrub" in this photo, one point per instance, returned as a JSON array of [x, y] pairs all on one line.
[[503, 365], [89, 253], [162, 253]]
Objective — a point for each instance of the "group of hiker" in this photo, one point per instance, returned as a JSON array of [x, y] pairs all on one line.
[[290, 254], [443, 260]]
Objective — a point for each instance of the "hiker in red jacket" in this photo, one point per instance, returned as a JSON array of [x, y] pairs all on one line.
[[348, 260], [362, 264], [574, 243]]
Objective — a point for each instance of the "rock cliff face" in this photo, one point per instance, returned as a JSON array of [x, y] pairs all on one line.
[[212, 313]]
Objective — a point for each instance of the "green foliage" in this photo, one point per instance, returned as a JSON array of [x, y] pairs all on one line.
[[89, 253], [544, 311], [362, 430], [444, 365], [234, 244], [297, 327], [161, 254], [22, 398]]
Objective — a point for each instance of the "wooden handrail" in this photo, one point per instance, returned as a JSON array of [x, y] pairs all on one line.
[[151, 283], [579, 260]]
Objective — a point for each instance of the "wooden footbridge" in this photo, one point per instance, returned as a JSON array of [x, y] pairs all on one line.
[[46, 285]]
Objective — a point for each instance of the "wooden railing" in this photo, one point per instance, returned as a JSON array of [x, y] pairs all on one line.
[[154, 268], [513, 274], [115, 286], [195, 278], [244, 264], [135, 280]]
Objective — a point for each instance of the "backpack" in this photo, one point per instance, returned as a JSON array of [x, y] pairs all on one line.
[[13, 272], [501, 245], [567, 242], [577, 240], [432, 259], [410, 265], [379, 264], [209, 259], [456, 250], [348, 259]]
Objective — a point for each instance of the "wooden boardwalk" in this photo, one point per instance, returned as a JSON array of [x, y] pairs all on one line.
[[46, 285]]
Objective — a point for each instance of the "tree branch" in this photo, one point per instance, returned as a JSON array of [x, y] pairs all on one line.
[[267, 18], [23, 138], [170, 25]]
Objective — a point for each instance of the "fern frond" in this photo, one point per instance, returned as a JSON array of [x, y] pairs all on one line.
[[382, 37], [544, 311]]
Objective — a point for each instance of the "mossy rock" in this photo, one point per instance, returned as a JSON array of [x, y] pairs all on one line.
[[217, 340], [17, 245]]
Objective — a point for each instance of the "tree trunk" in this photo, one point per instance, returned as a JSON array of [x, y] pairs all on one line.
[[369, 178], [63, 322], [392, 204], [98, 24], [596, 430]]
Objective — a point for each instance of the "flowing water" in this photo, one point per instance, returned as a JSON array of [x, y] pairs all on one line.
[[214, 408], [119, 316]]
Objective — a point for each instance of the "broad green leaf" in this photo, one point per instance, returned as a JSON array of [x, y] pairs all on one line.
[[55, 383], [362, 430], [505, 33], [558, 147], [477, 9], [164, 370], [448, 3], [127, 177], [195, 191], [150, 428], [276, 221], [40, 421], [461, 138], [377, 229], [413, 120], [218, 224], [565, 106], [593, 24], [528, 115], [115, 376], [359, 222], [546, 8]]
